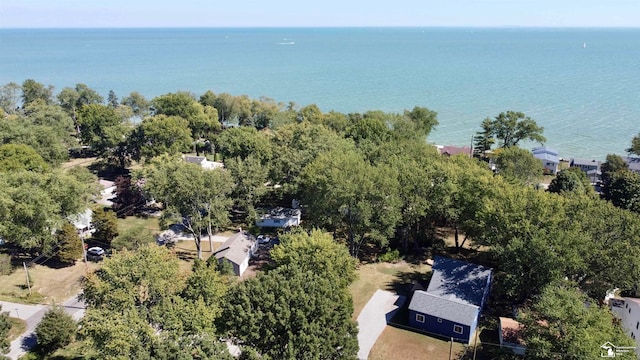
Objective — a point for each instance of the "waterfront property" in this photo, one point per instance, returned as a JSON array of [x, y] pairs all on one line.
[[633, 163], [237, 250], [451, 150], [548, 157], [452, 304], [590, 167]]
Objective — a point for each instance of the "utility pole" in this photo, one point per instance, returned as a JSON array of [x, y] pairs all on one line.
[[450, 348], [84, 252], [27, 272], [475, 345]]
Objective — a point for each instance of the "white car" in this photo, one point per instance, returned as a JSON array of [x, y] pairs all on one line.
[[263, 239], [95, 253]]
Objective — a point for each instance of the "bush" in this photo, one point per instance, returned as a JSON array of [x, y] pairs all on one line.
[[390, 256], [56, 330], [5, 264]]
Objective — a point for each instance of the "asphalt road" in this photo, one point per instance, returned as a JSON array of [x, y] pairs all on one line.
[[32, 315]]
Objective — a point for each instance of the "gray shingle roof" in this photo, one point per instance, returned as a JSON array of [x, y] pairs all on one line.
[[458, 281], [458, 312], [236, 249]]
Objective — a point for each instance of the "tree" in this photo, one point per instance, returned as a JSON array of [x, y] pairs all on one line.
[[518, 164], [16, 157], [347, 195], [317, 252], [5, 326], [128, 196], [483, 140], [424, 119], [160, 134], [133, 238], [623, 190], [290, 313], [56, 330], [194, 197], [612, 165], [102, 129], [136, 308], [510, 128], [112, 100], [106, 225], [202, 120], [635, 145], [33, 90], [69, 244], [9, 97], [242, 142], [571, 180], [563, 323], [138, 104], [250, 178]]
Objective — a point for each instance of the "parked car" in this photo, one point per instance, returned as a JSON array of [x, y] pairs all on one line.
[[263, 239], [95, 253]]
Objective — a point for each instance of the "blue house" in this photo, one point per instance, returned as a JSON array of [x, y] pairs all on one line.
[[452, 303]]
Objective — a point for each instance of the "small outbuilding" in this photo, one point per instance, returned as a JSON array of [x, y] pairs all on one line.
[[510, 337], [452, 304], [237, 250]]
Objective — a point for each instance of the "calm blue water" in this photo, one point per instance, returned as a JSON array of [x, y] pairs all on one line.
[[587, 98]]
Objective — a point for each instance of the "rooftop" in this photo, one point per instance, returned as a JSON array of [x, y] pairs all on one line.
[[459, 281], [236, 248], [461, 313]]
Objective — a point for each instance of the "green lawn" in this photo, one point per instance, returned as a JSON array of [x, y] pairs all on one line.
[[151, 223], [18, 326]]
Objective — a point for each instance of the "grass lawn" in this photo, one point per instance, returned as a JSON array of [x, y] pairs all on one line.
[[187, 252], [18, 326], [395, 343], [48, 284], [84, 162], [151, 223]]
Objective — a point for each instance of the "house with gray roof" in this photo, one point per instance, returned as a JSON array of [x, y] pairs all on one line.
[[237, 250], [203, 162], [548, 157], [590, 167], [451, 305], [633, 162], [279, 217]]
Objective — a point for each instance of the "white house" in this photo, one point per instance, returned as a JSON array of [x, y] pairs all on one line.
[[237, 250], [82, 222], [203, 162], [628, 310], [548, 157], [279, 218]]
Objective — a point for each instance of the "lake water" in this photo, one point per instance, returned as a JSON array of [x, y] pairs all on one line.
[[582, 85]]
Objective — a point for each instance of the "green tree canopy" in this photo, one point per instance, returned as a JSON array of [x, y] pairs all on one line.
[[106, 226], [16, 157], [70, 245], [563, 323], [290, 313], [202, 120], [518, 165], [56, 330], [103, 129], [160, 134], [509, 128], [571, 181], [33, 90], [5, 326], [635, 145]]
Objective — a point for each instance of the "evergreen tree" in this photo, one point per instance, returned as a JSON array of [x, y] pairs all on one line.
[[106, 225], [70, 244], [5, 326]]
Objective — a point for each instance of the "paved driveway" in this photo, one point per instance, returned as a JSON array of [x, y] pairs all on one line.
[[373, 319]]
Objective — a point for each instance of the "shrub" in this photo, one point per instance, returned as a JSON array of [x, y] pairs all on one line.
[[390, 256]]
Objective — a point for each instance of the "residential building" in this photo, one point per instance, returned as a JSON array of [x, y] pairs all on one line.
[[279, 217], [237, 250], [450, 150], [633, 162], [628, 311], [452, 304], [203, 162], [590, 167], [548, 157]]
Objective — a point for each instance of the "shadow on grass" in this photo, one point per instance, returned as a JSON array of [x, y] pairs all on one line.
[[403, 284]]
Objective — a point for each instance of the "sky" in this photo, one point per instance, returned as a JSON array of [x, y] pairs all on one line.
[[325, 13]]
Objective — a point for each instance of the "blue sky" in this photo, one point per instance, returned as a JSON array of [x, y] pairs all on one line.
[[297, 13]]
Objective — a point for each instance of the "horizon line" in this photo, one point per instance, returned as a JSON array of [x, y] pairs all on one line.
[[603, 27]]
